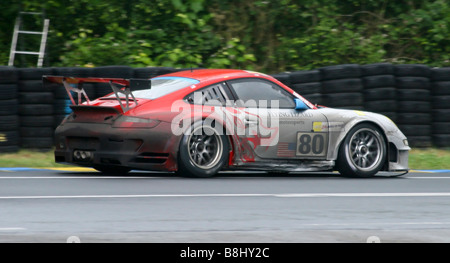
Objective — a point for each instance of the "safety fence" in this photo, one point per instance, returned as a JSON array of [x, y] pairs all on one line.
[[416, 97]]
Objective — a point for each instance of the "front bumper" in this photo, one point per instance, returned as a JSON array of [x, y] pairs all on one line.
[[102, 145]]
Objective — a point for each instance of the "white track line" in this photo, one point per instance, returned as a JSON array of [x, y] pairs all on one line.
[[283, 195], [77, 177], [12, 228]]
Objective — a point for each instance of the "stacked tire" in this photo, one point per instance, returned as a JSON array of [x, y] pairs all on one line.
[[62, 101], [440, 88], [342, 86], [9, 119], [307, 84], [380, 92], [35, 109], [414, 106], [283, 78]]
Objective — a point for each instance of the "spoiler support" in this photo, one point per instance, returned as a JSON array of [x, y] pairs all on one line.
[[118, 86]]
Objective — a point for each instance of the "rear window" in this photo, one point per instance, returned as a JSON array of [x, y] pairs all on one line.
[[162, 86]]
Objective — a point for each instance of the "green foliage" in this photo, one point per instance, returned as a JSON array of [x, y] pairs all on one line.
[[269, 36]]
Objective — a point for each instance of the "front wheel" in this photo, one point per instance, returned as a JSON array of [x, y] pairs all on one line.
[[203, 151], [363, 152]]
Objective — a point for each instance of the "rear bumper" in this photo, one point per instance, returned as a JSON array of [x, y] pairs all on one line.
[[147, 149]]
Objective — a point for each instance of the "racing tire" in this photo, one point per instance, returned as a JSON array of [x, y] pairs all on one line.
[[35, 86], [440, 74], [112, 170], [203, 151], [414, 118], [34, 73], [381, 106], [413, 95], [440, 88], [9, 149], [9, 123], [415, 130], [441, 115], [283, 78], [420, 141], [36, 109], [9, 138], [315, 98], [441, 127], [441, 140], [343, 99], [385, 93], [340, 71], [9, 107], [37, 121], [377, 69], [363, 152], [8, 75], [417, 70], [307, 88], [441, 102], [305, 76], [342, 86], [378, 81], [414, 106], [36, 97], [36, 142], [413, 83], [8, 91]]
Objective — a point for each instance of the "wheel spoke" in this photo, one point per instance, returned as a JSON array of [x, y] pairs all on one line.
[[365, 149], [205, 150]]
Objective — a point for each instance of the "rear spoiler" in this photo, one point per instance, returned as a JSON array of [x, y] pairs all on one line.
[[118, 86]]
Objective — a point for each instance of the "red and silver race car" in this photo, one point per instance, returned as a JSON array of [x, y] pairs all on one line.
[[199, 122]]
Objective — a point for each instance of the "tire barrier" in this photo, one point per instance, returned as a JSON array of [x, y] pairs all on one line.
[[35, 103], [440, 91], [414, 96], [9, 110], [342, 86], [307, 83]]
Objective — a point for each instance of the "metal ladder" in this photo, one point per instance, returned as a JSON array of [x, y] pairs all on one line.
[[18, 30]]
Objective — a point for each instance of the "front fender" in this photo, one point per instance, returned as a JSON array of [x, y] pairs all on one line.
[[342, 121]]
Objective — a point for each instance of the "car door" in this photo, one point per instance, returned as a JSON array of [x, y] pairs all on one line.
[[273, 127]]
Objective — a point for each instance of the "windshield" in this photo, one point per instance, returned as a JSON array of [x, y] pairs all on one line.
[[162, 86]]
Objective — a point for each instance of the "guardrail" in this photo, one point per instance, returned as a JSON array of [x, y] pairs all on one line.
[[416, 97]]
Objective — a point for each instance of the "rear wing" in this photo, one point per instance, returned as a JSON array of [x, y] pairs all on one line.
[[74, 85]]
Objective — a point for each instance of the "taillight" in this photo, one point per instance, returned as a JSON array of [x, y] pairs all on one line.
[[134, 122]]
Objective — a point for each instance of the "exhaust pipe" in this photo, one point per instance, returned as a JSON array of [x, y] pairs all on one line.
[[83, 156]]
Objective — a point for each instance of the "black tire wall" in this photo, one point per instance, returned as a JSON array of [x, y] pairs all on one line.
[[414, 96]]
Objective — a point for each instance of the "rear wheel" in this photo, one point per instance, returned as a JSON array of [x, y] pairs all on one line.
[[363, 152], [203, 152]]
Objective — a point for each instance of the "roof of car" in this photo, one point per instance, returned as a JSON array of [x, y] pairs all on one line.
[[214, 74]]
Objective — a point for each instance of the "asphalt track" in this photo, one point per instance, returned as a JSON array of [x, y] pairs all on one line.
[[48, 205]]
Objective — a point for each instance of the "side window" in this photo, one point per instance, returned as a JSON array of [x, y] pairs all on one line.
[[262, 93], [213, 95]]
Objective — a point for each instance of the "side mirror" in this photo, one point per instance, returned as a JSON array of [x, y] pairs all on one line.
[[300, 105]]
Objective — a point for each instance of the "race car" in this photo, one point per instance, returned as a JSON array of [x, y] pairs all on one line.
[[199, 122]]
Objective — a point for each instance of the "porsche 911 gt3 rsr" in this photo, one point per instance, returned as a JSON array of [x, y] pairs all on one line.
[[199, 122]]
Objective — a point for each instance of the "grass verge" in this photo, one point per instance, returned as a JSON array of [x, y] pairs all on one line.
[[419, 159]]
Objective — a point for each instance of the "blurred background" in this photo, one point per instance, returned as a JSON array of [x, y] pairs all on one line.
[[267, 36]]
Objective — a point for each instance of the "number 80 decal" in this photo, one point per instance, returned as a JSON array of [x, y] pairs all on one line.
[[312, 144]]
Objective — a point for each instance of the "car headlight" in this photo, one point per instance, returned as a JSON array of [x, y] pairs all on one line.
[[135, 122], [405, 142]]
